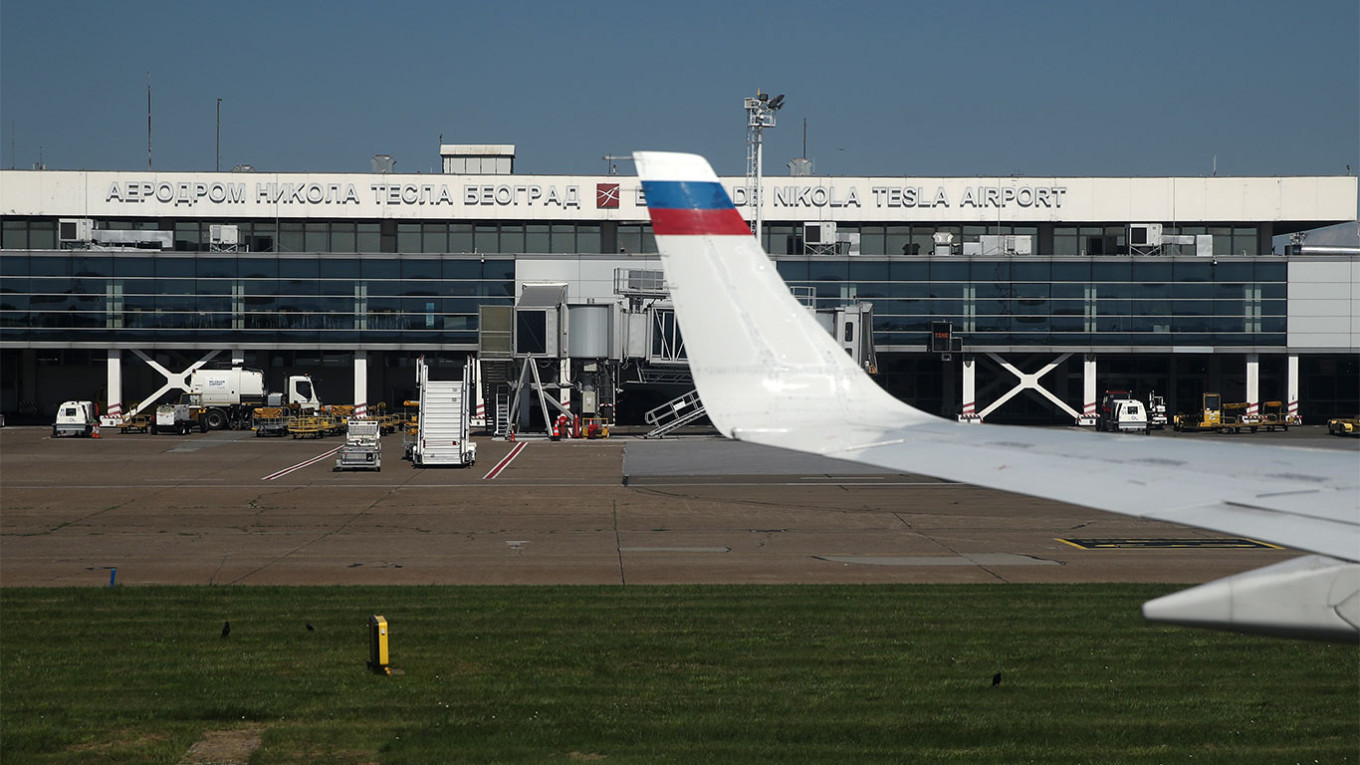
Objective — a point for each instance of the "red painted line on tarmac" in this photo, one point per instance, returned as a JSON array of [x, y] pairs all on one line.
[[495, 471], [300, 465]]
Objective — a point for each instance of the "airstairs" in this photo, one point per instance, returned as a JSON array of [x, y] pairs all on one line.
[[443, 435], [674, 413]]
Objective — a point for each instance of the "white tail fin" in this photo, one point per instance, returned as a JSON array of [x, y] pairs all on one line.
[[760, 360]]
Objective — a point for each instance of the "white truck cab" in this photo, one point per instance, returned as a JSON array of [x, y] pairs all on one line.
[[75, 418]]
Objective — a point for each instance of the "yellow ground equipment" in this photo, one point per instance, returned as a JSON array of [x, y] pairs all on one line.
[[1209, 417], [270, 421], [595, 427], [1344, 426], [1236, 417], [1275, 415]]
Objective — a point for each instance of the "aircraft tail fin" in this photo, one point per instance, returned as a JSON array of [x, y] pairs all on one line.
[[758, 356]]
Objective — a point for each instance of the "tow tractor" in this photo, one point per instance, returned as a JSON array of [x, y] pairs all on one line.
[[1344, 426], [1209, 417], [1156, 411]]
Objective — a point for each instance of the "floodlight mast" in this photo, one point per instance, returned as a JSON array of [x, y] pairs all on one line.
[[759, 115]]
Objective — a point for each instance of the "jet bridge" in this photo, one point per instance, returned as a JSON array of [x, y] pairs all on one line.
[[549, 362]]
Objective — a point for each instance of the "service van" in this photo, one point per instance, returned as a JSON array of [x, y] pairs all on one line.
[[76, 418], [1128, 416]]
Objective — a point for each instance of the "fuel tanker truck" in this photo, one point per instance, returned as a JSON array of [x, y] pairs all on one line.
[[230, 396]]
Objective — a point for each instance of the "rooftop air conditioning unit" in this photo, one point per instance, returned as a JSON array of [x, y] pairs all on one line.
[[75, 230], [1145, 235], [819, 234], [944, 243], [223, 234]]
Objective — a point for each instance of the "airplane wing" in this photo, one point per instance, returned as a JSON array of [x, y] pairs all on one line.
[[768, 373]]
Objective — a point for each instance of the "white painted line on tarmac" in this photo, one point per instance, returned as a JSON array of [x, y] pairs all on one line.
[[504, 463], [300, 465]]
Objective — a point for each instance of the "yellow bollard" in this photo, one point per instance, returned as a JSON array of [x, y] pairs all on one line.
[[377, 645]]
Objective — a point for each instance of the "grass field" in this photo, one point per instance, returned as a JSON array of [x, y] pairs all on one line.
[[672, 674]]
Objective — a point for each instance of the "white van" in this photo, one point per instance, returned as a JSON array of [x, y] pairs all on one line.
[[75, 418], [1130, 416]]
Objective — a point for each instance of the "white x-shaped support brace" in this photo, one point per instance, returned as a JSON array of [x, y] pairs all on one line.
[[1028, 382], [173, 380]]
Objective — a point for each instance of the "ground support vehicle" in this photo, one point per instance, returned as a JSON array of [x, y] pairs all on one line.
[[137, 423], [1106, 416], [1344, 426], [76, 418], [270, 421], [595, 427], [1275, 415], [230, 396], [1236, 417], [443, 436], [1209, 417], [1156, 411], [180, 418], [1128, 416], [363, 446], [310, 426]]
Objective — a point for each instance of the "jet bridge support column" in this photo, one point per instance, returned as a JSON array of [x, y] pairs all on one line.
[[1088, 388], [1253, 384], [361, 384], [968, 412], [1292, 386], [114, 393]]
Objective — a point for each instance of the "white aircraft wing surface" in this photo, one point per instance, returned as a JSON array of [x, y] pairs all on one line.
[[767, 372]]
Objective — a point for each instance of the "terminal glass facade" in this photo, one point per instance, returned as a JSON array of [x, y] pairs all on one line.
[[213, 298]]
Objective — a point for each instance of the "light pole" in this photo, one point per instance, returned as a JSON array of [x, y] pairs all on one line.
[[759, 115]]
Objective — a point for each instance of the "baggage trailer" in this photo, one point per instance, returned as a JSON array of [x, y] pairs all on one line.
[[443, 434], [363, 446], [1235, 417], [1275, 415]]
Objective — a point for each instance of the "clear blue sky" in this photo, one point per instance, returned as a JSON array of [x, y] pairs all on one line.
[[938, 88]]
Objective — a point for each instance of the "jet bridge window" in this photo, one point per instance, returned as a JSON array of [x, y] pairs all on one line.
[[531, 332]]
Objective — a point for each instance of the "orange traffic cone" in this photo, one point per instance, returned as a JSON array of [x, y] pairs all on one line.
[[95, 433]]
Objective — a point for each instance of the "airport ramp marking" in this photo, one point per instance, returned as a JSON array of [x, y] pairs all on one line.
[[300, 465], [973, 559], [504, 463], [1214, 543]]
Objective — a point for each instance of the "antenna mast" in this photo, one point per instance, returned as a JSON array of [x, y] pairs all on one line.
[[148, 120]]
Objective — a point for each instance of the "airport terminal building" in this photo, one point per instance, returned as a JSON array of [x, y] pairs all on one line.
[[1051, 290]]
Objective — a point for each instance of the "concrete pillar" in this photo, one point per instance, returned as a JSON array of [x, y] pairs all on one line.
[[1292, 386], [968, 412], [360, 384], [1253, 384], [28, 383], [1089, 401], [114, 385]]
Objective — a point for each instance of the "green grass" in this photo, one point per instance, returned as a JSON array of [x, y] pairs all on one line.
[[680, 674]]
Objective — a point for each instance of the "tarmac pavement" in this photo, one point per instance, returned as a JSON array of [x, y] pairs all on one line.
[[202, 509]]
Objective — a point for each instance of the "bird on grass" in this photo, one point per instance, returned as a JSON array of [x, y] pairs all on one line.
[[996, 679], [226, 628], [310, 628]]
